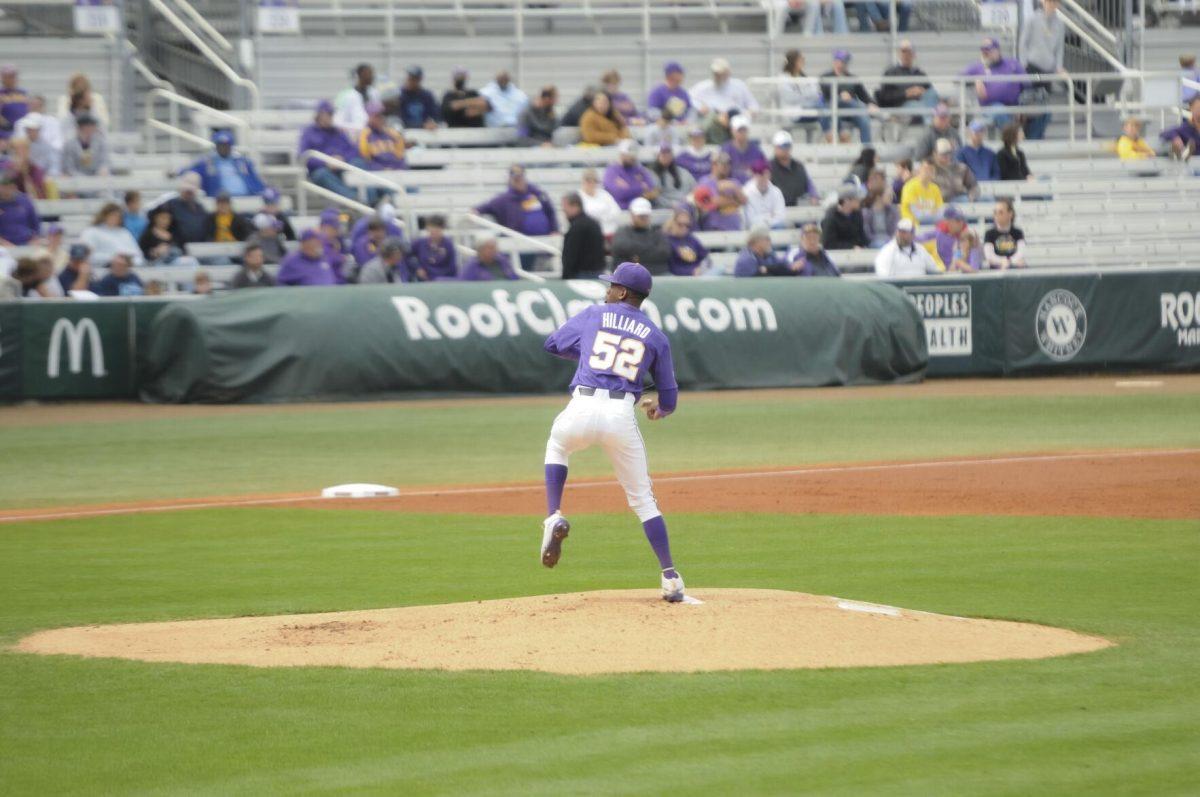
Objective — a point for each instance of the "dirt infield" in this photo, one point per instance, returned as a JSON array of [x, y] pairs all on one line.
[[1160, 484], [587, 633]]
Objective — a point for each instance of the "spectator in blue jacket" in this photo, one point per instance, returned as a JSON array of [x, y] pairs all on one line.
[[488, 264], [522, 206], [976, 156], [416, 105], [225, 171], [758, 259]]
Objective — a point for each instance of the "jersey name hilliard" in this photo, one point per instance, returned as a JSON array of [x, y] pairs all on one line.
[[623, 323]]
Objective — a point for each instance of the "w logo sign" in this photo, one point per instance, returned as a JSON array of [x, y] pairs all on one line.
[[1061, 325], [75, 335]]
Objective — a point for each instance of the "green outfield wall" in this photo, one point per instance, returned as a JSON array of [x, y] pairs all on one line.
[[315, 343]]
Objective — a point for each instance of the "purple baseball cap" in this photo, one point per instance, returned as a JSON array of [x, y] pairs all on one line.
[[222, 137], [841, 55], [953, 213], [270, 195], [54, 229], [324, 106], [78, 251], [633, 276], [309, 234], [990, 43], [979, 126], [331, 217], [760, 167], [672, 66]]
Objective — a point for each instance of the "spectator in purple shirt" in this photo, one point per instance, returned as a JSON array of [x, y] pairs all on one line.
[[433, 256], [742, 151], [759, 259], [627, 179], [688, 255], [19, 222], [697, 156], [996, 93], [324, 137], [946, 236], [720, 198], [1184, 140], [366, 246], [309, 265], [610, 81], [488, 264], [522, 207], [670, 95], [14, 101]]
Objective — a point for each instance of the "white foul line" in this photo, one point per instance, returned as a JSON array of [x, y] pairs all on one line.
[[520, 488]]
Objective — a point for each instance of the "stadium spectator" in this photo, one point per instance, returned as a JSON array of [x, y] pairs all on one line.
[[55, 247], [416, 105], [327, 138], [19, 221], [433, 256], [189, 219], [601, 125], [31, 180], [463, 106], [1188, 72], [120, 279], [996, 93], [900, 258], [225, 225], [41, 153], [309, 265], [798, 94], [670, 95], [874, 16], [610, 83], [639, 242], [1011, 158], [842, 227], [1043, 40], [953, 178], [879, 212], [379, 144], [599, 204], [202, 284], [81, 101], [158, 241], [28, 276], [252, 274], [1004, 243], [1184, 139], [14, 100], [967, 256], [921, 199], [350, 104], [575, 112], [386, 266], [51, 128], [133, 217], [820, 15], [945, 239], [1131, 146], [720, 198], [908, 94], [675, 183], [583, 242], [522, 206], [764, 202], [697, 156], [742, 151], [976, 156], [505, 101], [367, 244], [87, 152], [904, 173], [332, 228], [758, 259], [268, 236], [76, 275], [789, 174], [224, 171], [941, 126], [488, 264], [271, 206], [854, 103], [719, 98], [811, 255], [538, 121], [627, 179], [863, 165], [688, 255], [108, 237], [664, 131]]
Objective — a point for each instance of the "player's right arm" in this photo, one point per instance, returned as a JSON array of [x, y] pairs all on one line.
[[663, 371], [564, 341]]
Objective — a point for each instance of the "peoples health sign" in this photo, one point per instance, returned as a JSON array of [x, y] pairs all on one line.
[[946, 311]]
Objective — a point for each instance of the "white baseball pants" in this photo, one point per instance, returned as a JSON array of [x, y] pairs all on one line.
[[612, 424]]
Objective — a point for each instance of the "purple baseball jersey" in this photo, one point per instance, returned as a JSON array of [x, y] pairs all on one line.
[[616, 345]]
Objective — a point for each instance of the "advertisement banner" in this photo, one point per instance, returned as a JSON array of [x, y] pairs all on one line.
[[961, 319], [10, 351], [76, 349]]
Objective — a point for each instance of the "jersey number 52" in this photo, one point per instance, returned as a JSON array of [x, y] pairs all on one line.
[[616, 354]]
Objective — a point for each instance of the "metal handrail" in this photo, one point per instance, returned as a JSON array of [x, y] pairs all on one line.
[[204, 25], [176, 131], [1091, 20], [496, 227], [1101, 50], [146, 72], [216, 60]]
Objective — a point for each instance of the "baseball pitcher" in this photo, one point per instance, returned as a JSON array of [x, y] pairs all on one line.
[[616, 345]]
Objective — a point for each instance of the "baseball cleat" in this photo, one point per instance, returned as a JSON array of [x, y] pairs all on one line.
[[554, 530], [672, 588]]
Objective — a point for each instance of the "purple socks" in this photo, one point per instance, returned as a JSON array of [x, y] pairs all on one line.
[[656, 533], [556, 480]]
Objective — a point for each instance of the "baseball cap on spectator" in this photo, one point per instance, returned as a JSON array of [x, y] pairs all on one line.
[[905, 224], [459, 71], [759, 167], [720, 65], [640, 207], [739, 123], [627, 146], [705, 199], [8, 69], [672, 66], [270, 195], [696, 132], [782, 139], [222, 137], [415, 71], [943, 146], [990, 43], [33, 120], [324, 106], [331, 217], [979, 126], [633, 276], [309, 234], [952, 213], [78, 252], [847, 191], [941, 110], [265, 221], [665, 146], [842, 55]]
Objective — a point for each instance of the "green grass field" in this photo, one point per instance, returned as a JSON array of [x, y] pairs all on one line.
[[1120, 721]]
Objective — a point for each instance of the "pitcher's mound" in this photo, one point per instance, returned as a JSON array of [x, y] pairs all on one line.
[[583, 633]]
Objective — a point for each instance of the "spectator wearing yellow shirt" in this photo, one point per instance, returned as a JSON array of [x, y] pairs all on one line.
[[225, 226], [921, 199], [1131, 146]]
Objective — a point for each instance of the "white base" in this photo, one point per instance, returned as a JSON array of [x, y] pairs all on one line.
[[359, 491]]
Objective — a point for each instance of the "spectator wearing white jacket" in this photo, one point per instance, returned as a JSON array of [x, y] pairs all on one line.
[[107, 237], [764, 202], [599, 204], [901, 258]]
